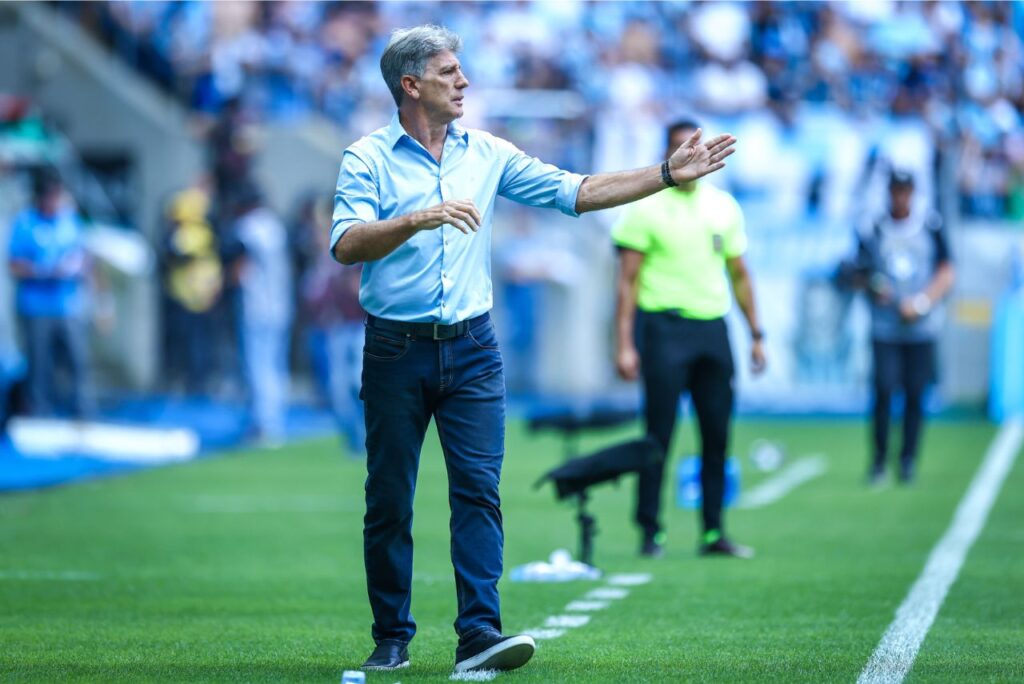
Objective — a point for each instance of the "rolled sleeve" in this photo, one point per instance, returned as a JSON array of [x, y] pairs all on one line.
[[356, 197], [528, 180]]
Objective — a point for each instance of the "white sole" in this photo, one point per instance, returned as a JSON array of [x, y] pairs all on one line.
[[508, 655], [380, 668]]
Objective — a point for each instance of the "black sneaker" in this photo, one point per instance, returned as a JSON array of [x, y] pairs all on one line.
[[724, 547], [906, 472], [389, 655], [489, 650], [653, 546]]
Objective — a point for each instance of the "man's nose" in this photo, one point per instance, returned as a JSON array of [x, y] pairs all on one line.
[[463, 82]]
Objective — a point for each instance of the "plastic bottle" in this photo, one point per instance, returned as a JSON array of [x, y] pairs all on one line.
[[353, 677]]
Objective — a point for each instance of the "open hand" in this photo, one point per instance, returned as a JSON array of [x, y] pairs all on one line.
[[694, 158]]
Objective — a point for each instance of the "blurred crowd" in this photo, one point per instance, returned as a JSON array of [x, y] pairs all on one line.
[[823, 88], [236, 276], [829, 95]]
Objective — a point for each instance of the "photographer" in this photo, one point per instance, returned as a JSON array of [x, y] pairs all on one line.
[[904, 264]]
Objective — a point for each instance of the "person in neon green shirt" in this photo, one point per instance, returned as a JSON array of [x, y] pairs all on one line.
[[681, 263]]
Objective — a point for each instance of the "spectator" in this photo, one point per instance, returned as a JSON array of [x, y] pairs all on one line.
[[49, 263], [193, 282], [903, 261], [263, 273]]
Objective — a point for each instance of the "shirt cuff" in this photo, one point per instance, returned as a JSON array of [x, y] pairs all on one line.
[[568, 191]]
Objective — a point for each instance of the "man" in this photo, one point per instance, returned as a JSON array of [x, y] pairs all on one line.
[[49, 263], [415, 201], [675, 251], [263, 272], [903, 260], [193, 282]]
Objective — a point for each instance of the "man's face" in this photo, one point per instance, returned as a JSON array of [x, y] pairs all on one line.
[[441, 86], [49, 202], [899, 199]]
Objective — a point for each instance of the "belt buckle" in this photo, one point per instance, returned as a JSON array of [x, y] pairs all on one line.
[[437, 335]]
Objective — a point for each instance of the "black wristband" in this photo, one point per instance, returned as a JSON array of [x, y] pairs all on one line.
[[666, 177], [757, 335]]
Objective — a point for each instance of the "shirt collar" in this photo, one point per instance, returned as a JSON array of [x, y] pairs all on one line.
[[395, 131]]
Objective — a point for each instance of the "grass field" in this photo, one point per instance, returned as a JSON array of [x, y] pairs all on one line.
[[247, 567]]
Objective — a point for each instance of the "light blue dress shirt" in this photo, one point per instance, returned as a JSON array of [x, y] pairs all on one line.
[[439, 275]]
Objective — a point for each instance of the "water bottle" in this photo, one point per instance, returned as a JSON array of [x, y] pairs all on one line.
[[688, 487], [353, 677]]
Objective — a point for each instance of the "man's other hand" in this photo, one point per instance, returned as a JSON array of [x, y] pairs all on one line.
[[461, 214], [758, 359], [627, 362]]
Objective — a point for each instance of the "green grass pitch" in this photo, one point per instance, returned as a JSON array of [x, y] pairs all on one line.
[[247, 567]]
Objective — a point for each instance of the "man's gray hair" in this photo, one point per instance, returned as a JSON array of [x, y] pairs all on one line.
[[409, 50]]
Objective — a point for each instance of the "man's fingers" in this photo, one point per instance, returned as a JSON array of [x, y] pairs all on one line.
[[694, 139], [723, 140], [475, 213], [470, 218], [459, 224], [721, 154], [469, 209], [465, 221]]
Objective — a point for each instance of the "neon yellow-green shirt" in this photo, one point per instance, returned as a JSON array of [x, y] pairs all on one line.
[[686, 238]]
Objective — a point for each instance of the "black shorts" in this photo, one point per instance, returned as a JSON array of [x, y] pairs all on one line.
[[906, 365]]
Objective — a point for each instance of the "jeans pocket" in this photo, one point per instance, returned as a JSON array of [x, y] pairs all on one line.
[[483, 337], [385, 347]]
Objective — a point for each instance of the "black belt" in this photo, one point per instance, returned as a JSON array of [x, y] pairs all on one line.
[[430, 331]]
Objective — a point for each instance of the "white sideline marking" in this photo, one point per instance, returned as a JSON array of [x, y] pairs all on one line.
[[474, 676], [898, 648], [595, 599], [567, 621], [791, 477], [630, 580], [544, 633], [61, 575]]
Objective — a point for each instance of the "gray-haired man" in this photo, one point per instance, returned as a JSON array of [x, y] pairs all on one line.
[[415, 201]]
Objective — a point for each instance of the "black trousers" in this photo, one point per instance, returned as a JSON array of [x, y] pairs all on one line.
[[685, 355], [907, 366]]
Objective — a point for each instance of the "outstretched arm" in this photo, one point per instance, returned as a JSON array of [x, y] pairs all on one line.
[[691, 161]]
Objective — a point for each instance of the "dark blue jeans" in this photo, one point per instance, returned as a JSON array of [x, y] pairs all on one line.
[[461, 384]]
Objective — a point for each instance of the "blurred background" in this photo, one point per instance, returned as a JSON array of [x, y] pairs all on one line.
[[173, 125]]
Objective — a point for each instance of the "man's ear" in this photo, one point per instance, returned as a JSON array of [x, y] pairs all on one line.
[[411, 87]]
